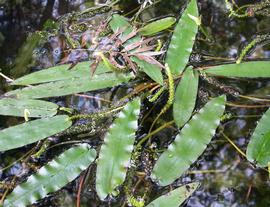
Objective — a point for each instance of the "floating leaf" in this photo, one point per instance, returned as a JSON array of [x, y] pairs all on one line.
[[52, 176], [182, 40], [60, 72], [157, 26], [176, 197], [190, 143], [185, 97], [254, 69], [153, 71], [71, 86], [116, 151], [258, 150], [32, 131], [17, 107]]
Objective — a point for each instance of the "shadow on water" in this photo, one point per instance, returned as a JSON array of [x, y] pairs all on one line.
[[227, 179]]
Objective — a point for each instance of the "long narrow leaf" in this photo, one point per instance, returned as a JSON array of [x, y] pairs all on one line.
[[183, 39], [37, 108], [190, 143], [176, 197], [32, 131], [115, 153], [255, 69], [60, 72], [258, 150], [52, 176], [185, 97], [71, 86]]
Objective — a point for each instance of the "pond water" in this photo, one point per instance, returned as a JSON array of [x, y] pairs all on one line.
[[227, 179]]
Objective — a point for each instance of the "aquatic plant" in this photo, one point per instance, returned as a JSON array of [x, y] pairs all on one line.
[[121, 149]]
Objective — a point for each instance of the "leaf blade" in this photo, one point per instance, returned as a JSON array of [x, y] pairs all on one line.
[[58, 73], [52, 176], [182, 40], [32, 131], [70, 86], [115, 153], [254, 69], [259, 145], [185, 97], [175, 197], [153, 71], [190, 143], [37, 108]]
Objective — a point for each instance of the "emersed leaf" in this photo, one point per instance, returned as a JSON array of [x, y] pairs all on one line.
[[153, 71], [258, 150], [175, 197], [254, 69], [60, 72], [70, 86], [115, 153], [183, 39], [32, 131], [185, 96], [37, 108], [190, 143], [157, 26], [52, 176]]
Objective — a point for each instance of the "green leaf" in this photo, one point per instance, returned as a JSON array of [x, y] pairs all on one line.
[[190, 143], [175, 197], [254, 69], [71, 86], [157, 26], [60, 72], [153, 71], [32, 131], [258, 150], [185, 97], [52, 176], [182, 40], [115, 153], [37, 108], [120, 22]]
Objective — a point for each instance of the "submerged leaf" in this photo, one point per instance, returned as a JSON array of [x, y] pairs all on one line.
[[153, 71], [182, 40], [175, 197], [60, 72], [185, 97], [258, 150], [115, 153], [254, 69], [190, 143], [32, 131], [157, 26], [52, 176], [71, 86], [36, 108]]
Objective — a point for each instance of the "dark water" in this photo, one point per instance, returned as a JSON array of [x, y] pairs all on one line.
[[227, 179]]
